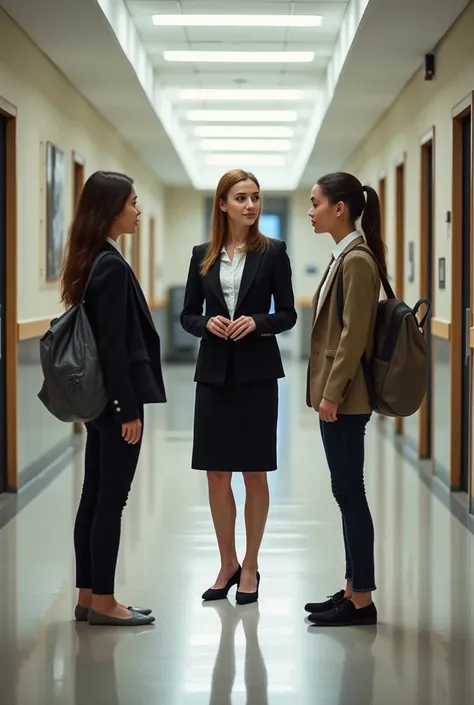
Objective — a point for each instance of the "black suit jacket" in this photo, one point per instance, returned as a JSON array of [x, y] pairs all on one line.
[[257, 356], [127, 340]]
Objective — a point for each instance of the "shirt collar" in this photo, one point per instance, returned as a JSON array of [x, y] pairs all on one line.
[[345, 242], [239, 248], [114, 243]]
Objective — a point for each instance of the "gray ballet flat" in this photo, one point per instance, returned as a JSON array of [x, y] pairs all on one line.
[[135, 620], [81, 613]]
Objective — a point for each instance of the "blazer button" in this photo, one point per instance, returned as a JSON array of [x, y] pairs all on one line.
[[115, 402], [118, 409]]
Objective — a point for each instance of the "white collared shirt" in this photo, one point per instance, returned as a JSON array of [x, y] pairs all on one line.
[[231, 276], [115, 244], [336, 253]]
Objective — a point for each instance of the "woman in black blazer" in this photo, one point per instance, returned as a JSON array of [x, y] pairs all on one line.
[[129, 350], [238, 366]]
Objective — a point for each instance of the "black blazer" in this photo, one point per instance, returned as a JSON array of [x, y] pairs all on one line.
[[127, 340], [257, 356]]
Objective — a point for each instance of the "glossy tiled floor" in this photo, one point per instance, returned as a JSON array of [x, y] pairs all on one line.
[[421, 652]]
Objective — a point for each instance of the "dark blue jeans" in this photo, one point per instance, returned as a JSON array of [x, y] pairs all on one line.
[[344, 442]]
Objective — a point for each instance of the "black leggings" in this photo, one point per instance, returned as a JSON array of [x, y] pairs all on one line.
[[110, 464]]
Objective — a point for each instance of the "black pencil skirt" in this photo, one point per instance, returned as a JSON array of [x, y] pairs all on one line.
[[235, 426]]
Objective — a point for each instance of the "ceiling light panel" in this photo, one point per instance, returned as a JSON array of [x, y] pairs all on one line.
[[237, 20], [240, 94], [235, 160], [244, 145], [240, 57], [242, 115], [251, 131]]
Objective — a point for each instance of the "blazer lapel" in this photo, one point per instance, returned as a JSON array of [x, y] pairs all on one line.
[[329, 283], [332, 276], [252, 263], [141, 298], [316, 296], [214, 281]]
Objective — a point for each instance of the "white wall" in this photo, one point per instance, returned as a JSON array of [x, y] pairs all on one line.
[[184, 228], [50, 109], [419, 107]]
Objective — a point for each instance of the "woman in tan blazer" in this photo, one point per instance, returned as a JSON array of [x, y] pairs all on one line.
[[342, 332]]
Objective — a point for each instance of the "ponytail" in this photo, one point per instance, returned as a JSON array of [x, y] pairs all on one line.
[[372, 227]]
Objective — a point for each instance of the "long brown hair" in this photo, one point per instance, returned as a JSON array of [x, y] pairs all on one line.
[[255, 240], [348, 189], [103, 198]]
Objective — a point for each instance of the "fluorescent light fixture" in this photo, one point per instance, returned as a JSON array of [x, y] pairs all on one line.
[[247, 21], [245, 145], [245, 159], [240, 57], [239, 94], [251, 131], [242, 115]]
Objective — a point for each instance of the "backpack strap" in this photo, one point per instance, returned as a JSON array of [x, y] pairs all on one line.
[[96, 261], [340, 284]]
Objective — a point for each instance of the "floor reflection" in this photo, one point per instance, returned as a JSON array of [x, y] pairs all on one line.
[[225, 666], [421, 652]]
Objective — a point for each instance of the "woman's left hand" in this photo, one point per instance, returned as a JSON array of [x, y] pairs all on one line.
[[328, 411], [241, 327]]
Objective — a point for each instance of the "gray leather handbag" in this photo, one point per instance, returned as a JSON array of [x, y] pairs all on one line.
[[73, 387]]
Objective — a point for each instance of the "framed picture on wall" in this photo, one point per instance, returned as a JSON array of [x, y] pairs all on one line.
[[55, 210]]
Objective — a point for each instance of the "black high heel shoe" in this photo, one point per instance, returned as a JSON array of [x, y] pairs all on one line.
[[221, 593], [247, 598]]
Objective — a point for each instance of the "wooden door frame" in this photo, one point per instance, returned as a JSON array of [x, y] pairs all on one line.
[[151, 260], [136, 252], [78, 166], [426, 266], [382, 189], [78, 179], [458, 113], [11, 300], [400, 184]]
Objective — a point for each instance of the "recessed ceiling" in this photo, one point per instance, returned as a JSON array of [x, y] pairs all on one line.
[[255, 61], [192, 119]]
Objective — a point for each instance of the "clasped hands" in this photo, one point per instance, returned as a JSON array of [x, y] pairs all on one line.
[[235, 330]]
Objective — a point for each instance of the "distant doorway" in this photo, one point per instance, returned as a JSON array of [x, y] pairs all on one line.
[[426, 286], [400, 247], [3, 237]]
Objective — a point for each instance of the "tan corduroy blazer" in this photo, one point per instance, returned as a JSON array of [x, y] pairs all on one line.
[[335, 370]]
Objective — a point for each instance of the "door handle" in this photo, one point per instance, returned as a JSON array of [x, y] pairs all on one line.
[[467, 337]]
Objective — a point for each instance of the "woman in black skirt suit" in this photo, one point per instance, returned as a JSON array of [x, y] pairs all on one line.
[[239, 363]]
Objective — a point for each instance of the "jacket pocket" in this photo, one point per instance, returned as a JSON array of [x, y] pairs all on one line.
[[331, 351]]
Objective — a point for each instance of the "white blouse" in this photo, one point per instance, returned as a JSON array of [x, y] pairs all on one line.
[[231, 276]]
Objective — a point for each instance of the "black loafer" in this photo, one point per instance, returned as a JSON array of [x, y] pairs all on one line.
[[318, 607], [346, 614], [221, 593]]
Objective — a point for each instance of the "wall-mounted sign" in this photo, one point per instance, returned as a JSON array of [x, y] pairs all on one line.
[[442, 272]]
